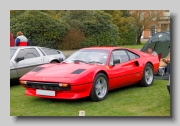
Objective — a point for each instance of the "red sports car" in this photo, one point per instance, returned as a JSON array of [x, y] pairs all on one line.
[[91, 72]]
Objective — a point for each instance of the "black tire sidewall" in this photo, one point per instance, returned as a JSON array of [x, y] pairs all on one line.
[[143, 81], [53, 62], [93, 95]]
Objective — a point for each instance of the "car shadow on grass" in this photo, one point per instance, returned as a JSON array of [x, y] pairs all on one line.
[[14, 82]]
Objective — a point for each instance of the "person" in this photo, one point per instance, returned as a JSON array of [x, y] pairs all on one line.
[[168, 69], [11, 40], [21, 40], [165, 62], [150, 51]]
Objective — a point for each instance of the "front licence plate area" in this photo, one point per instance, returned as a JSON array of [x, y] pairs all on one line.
[[45, 92]]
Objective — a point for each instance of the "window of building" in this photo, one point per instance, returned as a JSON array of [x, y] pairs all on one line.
[[152, 30], [142, 14], [166, 13], [164, 27]]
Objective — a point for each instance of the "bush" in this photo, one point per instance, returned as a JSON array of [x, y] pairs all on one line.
[[72, 40], [40, 28], [96, 26], [128, 38]]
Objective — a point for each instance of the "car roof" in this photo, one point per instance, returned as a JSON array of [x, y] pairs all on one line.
[[18, 47], [105, 47], [24, 47]]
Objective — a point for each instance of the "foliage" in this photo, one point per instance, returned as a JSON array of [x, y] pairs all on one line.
[[16, 13], [40, 28], [72, 40], [97, 27], [143, 19], [127, 33]]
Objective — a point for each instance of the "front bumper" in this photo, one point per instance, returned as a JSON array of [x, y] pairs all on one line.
[[76, 92]]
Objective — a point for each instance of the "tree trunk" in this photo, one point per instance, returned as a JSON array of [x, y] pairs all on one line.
[[139, 38]]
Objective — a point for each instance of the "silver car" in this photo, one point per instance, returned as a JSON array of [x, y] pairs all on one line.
[[25, 58]]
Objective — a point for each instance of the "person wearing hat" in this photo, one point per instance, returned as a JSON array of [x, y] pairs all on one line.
[[21, 40]]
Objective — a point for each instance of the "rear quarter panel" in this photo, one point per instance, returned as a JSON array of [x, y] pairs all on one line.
[[147, 58]]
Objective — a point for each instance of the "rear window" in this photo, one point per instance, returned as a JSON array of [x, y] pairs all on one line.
[[49, 51], [12, 51]]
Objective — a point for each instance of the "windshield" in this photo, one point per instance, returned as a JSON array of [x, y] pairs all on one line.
[[12, 51], [89, 56]]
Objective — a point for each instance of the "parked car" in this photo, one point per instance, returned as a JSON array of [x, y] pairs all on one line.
[[91, 72], [25, 58]]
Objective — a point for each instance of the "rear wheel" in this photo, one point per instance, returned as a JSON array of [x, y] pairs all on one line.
[[100, 88], [148, 76], [54, 61]]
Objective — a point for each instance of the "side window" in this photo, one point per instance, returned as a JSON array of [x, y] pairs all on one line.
[[132, 55], [119, 54], [28, 53], [49, 51]]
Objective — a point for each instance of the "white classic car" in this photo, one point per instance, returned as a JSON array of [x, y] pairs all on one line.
[[25, 58]]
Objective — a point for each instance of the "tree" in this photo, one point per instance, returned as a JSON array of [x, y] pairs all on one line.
[[123, 21], [96, 26], [143, 19]]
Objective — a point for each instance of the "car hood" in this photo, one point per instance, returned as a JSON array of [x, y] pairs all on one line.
[[61, 70]]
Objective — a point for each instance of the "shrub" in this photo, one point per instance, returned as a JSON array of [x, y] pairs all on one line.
[[72, 40], [128, 38], [40, 28], [97, 27]]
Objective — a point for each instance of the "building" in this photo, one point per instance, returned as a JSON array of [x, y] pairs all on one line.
[[162, 24]]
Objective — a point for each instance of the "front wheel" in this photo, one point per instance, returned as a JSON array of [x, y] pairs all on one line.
[[148, 76], [100, 87]]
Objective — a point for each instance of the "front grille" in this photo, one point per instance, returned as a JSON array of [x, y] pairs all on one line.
[[46, 86]]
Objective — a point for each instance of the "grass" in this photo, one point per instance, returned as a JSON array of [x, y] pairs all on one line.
[[128, 101], [135, 46]]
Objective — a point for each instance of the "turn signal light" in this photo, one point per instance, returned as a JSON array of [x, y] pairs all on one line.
[[23, 82], [63, 85]]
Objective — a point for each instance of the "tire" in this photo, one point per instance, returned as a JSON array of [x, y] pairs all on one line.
[[54, 61], [148, 76], [99, 90]]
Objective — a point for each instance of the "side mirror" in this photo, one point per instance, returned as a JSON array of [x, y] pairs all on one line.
[[116, 61], [19, 59]]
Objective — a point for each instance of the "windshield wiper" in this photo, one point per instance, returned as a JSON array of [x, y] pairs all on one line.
[[76, 60], [95, 62]]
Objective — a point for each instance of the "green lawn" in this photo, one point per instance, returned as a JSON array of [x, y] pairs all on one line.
[[129, 101], [135, 46]]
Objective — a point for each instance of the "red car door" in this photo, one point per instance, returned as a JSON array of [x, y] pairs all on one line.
[[137, 66], [121, 74]]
